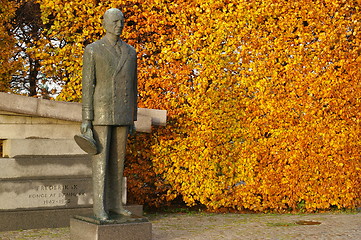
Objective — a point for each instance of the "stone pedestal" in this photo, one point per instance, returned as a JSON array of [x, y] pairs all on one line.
[[86, 228]]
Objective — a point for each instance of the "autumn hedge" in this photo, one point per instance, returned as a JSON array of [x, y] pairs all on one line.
[[263, 98]]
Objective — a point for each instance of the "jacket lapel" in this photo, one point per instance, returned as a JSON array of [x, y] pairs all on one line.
[[119, 60], [123, 58], [109, 48]]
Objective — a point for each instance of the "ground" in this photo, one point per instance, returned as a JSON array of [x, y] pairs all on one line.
[[200, 226]]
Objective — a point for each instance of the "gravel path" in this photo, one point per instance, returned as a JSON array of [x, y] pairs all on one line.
[[203, 226]]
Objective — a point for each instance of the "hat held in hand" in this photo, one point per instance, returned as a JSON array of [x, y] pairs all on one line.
[[86, 142]]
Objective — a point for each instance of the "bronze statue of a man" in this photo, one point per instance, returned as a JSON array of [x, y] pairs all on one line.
[[109, 110]]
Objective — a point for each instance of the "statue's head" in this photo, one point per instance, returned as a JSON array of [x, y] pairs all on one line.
[[113, 21]]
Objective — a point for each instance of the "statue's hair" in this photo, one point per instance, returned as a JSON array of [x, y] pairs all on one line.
[[111, 11]]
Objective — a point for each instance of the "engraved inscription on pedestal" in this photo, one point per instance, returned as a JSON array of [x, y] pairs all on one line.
[[65, 193]]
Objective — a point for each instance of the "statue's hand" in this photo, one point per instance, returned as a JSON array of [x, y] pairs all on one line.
[[132, 129], [85, 126]]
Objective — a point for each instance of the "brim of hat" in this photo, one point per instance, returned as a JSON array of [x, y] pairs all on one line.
[[87, 144]]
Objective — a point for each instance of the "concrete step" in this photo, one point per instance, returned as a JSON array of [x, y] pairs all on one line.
[[45, 167], [22, 131], [40, 147], [47, 218]]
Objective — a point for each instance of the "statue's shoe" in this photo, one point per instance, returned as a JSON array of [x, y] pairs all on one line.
[[121, 211], [102, 216]]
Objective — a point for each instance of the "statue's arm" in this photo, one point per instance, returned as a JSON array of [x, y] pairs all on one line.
[[88, 82], [136, 92]]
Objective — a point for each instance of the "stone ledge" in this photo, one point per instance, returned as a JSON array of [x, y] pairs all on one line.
[[31, 219], [40, 107], [21, 127], [45, 167], [61, 110], [159, 117], [23, 131], [16, 118], [50, 218], [40, 147]]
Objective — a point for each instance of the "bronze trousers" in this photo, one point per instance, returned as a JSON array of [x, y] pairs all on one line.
[[108, 166]]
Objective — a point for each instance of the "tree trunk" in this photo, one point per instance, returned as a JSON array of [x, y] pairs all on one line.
[[33, 73]]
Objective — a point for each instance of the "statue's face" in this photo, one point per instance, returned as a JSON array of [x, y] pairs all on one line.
[[114, 23]]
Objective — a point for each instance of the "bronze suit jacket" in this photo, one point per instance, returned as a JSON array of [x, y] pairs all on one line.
[[109, 84]]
